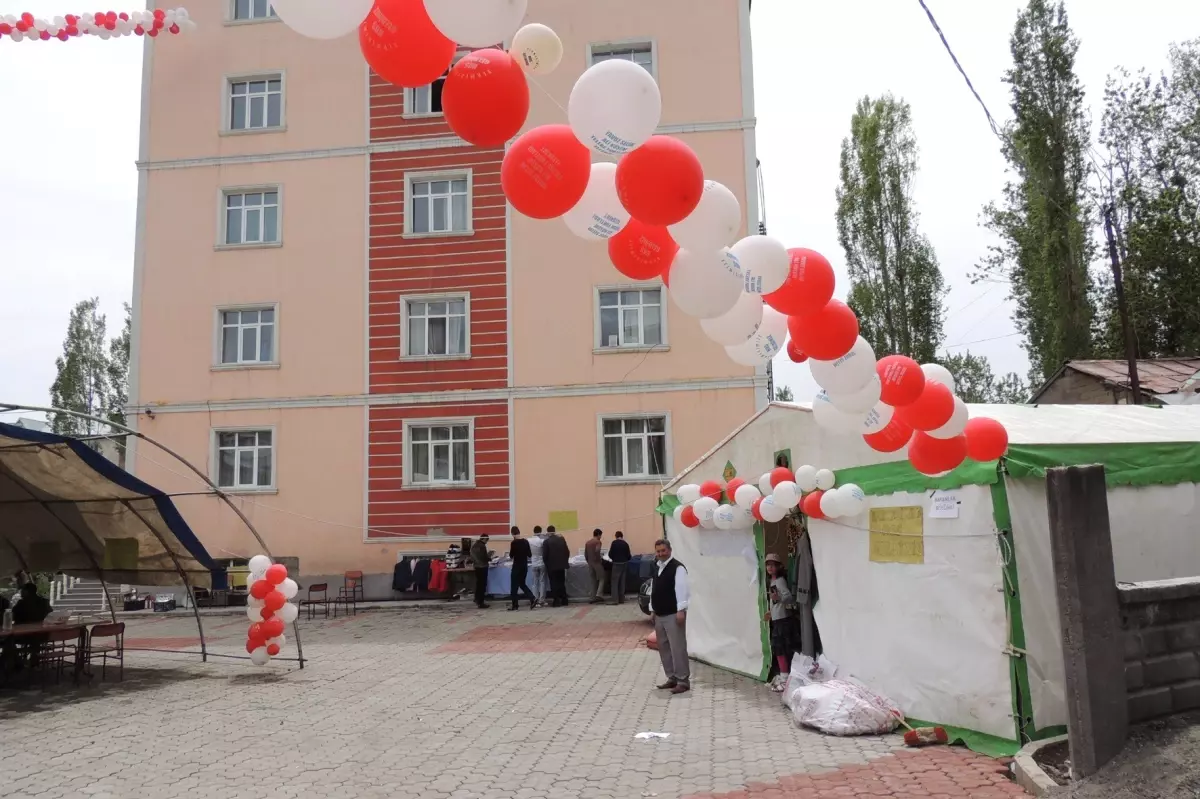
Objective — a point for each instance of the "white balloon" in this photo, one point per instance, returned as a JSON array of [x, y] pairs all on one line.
[[957, 423], [833, 419], [831, 505], [598, 215], [745, 496], [704, 508], [688, 493], [878, 418], [786, 494], [771, 511], [764, 485], [806, 478], [289, 613], [322, 19], [713, 224], [861, 401], [537, 49], [259, 657], [678, 513], [825, 479], [852, 500], [254, 612], [743, 519], [848, 373], [764, 344], [289, 588], [614, 107], [477, 23], [724, 517], [704, 285], [938, 374], [181, 14], [765, 263], [259, 565], [278, 640], [737, 325]]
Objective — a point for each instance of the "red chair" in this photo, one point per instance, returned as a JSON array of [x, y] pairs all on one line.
[[318, 596], [350, 593], [108, 651]]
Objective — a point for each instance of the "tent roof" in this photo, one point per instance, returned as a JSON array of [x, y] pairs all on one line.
[[64, 507]]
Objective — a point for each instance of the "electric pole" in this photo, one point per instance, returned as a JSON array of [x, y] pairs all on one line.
[[1122, 306]]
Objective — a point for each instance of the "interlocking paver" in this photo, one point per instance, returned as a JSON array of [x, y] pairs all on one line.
[[440, 704]]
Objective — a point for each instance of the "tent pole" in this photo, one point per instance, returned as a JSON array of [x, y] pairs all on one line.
[[187, 584], [216, 489]]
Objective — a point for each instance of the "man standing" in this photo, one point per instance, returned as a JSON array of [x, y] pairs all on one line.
[[668, 606], [537, 566], [520, 553], [480, 560], [620, 556], [557, 556], [595, 563]]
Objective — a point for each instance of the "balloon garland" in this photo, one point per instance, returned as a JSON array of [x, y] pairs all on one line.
[[102, 24], [268, 608]]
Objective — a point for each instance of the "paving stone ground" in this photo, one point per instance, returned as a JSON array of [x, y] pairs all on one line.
[[444, 703]]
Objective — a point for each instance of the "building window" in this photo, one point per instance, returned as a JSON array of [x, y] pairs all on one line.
[[634, 447], [630, 318], [436, 326], [252, 9], [248, 336], [252, 217], [256, 103], [427, 100], [439, 453], [440, 204], [640, 53], [245, 459]]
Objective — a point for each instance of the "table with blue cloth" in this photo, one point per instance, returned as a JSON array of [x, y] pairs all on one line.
[[579, 579]]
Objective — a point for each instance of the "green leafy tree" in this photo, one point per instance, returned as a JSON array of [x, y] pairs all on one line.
[[118, 371], [896, 286], [82, 383], [1045, 244], [783, 394], [974, 381]]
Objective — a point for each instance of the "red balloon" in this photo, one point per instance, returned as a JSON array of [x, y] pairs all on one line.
[[45, 35], [272, 649], [642, 252], [932, 409], [545, 171], [402, 44], [274, 601], [660, 182], [257, 632], [827, 334], [711, 488], [273, 627], [486, 98], [810, 506], [153, 32], [755, 508], [987, 439], [795, 353], [689, 517], [174, 29], [780, 474], [259, 589], [28, 19], [732, 486], [932, 456], [808, 287], [891, 438], [158, 13], [5, 29], [251, 645], [276, 574], [902, 379]]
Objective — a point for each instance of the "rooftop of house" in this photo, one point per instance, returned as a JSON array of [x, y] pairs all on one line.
[[1155, 375]]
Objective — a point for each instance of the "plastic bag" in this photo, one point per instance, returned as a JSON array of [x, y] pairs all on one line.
[[806, 671], [842, 707]]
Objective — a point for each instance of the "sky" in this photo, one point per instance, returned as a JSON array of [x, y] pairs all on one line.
[[69, 135]]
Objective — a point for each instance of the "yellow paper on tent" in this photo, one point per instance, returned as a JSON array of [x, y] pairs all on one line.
[[564, 520], [897, 535]]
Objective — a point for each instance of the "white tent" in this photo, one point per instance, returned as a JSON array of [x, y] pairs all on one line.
[[959, 625]]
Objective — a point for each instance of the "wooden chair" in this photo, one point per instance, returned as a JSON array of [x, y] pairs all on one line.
[[350, 593], [318, 596], [108, 651], [56, 649]]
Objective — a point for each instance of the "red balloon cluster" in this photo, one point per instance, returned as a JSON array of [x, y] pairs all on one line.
[[102, 24], [263, 635]]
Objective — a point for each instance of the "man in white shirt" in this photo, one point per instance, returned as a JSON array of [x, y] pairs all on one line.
[[537, 566], [668, 605]]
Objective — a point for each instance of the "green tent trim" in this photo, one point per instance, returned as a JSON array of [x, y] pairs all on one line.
[[981, 742]]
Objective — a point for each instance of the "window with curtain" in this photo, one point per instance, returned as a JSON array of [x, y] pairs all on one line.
[[436, 327]]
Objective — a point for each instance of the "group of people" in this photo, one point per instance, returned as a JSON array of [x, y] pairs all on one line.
[[29, 607]]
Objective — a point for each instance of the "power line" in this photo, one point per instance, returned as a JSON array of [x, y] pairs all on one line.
[[933, 21], [982, 340]]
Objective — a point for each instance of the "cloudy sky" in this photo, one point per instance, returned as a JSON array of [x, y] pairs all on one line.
[[70, 127]]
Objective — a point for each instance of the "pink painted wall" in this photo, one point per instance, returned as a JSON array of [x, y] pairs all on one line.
[[556, 457], [316, 276]]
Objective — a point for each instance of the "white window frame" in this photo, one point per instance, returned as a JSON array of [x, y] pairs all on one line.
[[231, 18], [464, 296], [227, 82], [219, 332], [668, 467], [222, 199], [410, 97], [409, 483], [598, 346], [215, 458], [620, 44], [428, 177]]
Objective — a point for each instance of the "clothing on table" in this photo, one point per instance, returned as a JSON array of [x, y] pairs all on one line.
[[668, 596], [439, 579], [481, 575], [618, 551], [454, 557], [537, 579], [520, 551], [672, 649], [422, 572], [616, 588], [479, 554], [535, 550], [520, 569], [402, 575]]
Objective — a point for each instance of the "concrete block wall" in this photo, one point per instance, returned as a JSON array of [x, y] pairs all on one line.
[[1160, 621]]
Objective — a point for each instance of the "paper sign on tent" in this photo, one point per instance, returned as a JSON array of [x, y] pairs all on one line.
[[897, 535], [943, 505]]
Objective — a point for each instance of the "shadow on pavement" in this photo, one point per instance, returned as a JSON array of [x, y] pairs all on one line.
[[20, 698]]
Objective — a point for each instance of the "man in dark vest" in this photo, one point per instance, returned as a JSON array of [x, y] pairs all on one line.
[[668, 605]]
